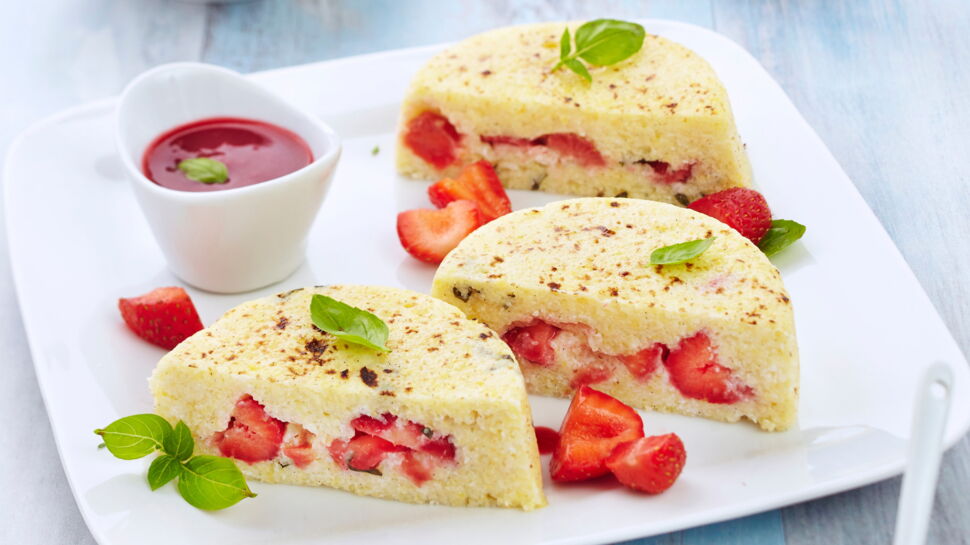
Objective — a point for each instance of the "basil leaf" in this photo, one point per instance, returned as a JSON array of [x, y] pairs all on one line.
[[782, 234], [205, 170], [578, 67], [179, 444], [565, 45], [608, 41], [679, 253], [163, 469], [212, 482], [135, 436], [348, 323]]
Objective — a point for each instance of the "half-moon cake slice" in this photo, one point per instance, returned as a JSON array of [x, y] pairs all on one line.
[[441, 418], [657, 125], [570, 287]]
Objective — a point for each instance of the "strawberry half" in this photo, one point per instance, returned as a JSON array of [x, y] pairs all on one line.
[[649, 464], [477, 183], [594, 425], [645, 362], [745, 210], [252, 435], [433, 138], [429, 235], [164, 316], [533, 342], [694, 370]]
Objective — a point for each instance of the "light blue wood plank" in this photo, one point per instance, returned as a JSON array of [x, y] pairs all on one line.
[[761, 529]]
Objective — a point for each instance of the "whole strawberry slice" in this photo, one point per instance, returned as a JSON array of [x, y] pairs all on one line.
[[164, 316], [595, 424], [694, 370], [649, 464], [477, 183], [430, 234], [741, 208]]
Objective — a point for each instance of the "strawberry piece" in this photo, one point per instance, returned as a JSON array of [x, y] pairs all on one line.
[[163, 316], [373, 426], [429, 235], [594, 425], [533, 342], [300, 449], [362, 452], [252, 435], [642, 364], [665, 174], [477, 182], [433, 138], [417, 466], [547, 439], [574, 146], [411, 435], [649, 464], [745, 210], [505, 141], [591, 374], [694, 370]]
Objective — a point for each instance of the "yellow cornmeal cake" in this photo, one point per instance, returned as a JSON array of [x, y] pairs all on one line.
[[713, 337], [451, 377], [660, 121]]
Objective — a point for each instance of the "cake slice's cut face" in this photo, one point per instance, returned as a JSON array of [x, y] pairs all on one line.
[[656, 126], [571, 289], [432, 421]]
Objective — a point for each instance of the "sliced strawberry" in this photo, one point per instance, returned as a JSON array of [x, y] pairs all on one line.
[[645, 362], [667, 175], [430, 234], [745, 210], [533, 342], [477, 182], [252, 435], [574, 146], [433, 138], [299, 448], [405, 433], [505, 141], [361, 453], [649, 464], [590, 374], [373, 426], [694, 370], [594, 425], [163, 316], [547, 439], [417, 466]]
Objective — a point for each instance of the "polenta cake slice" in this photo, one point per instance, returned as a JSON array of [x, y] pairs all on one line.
[[441, 418], [656, 126], [570, 287]]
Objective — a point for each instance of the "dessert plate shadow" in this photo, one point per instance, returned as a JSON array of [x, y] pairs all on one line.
[[78, 242]]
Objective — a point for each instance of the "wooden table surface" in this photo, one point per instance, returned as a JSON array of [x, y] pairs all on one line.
[[883, 82]]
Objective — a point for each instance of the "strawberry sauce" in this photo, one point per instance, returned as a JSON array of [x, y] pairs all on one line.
[[253, 151]]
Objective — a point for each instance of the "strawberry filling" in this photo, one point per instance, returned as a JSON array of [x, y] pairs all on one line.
[[252, 435], [433, 138], [566, 144], [663, 173], [692, 366], [420, 449]]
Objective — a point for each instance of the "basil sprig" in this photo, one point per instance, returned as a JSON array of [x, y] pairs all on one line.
[[206, 482], [680, 253], [782, 234], [600, 43], [348, 323], [205, 170]]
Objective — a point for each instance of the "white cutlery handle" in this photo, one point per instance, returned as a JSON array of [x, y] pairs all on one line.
[[925, 452]]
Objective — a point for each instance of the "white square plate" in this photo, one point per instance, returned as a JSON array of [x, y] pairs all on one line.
[[78, 242]]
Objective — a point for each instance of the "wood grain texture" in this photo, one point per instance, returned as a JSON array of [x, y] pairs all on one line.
[[882, 81]]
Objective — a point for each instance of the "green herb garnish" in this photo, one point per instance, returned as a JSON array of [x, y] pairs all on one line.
[[376, 150], [679, 253], [348, 323], [207, 482], [205, 170], [782, 234], [600, 43]]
